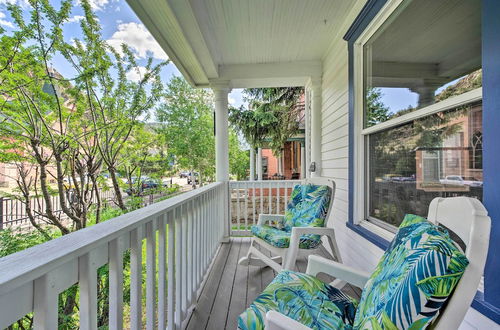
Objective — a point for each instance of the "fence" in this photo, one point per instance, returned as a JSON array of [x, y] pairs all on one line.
[[250, 198], [186, 230], [13, 212]]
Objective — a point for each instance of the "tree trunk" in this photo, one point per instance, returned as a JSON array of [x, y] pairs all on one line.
[[116, 187]]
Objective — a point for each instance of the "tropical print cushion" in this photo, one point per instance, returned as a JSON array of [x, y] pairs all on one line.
[[303, 298], [412, 280], [308, 206], [281, 238]]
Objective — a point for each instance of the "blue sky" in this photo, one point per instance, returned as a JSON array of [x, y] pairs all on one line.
[[119, 25]]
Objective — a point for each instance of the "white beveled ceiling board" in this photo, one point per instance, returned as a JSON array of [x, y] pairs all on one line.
[[269, 31], [205, 38]]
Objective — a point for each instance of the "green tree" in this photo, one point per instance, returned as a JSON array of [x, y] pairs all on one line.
[[376, 110], [186, 118], [66, 129], [113, 102], [239, 159], [273, 114]]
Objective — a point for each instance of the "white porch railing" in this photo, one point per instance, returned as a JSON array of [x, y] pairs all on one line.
[[250, 198], [186, 230]]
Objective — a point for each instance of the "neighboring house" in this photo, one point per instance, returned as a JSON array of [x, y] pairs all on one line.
[[289, 165]]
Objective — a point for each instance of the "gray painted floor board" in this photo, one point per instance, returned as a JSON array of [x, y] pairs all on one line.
[[230, 287]]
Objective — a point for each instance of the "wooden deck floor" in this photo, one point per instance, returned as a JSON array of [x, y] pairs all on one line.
[[230, 287]]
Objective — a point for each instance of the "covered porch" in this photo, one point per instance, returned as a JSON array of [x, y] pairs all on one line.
[[191, 278]]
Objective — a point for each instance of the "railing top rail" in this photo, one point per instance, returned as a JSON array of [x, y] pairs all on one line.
[[29, 264], [264, 181]]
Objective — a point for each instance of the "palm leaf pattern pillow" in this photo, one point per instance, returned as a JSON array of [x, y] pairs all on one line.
[[308, 206], [412, 280], [303, 298]]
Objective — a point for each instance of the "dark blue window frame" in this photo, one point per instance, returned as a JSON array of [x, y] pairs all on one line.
[[488, 303]]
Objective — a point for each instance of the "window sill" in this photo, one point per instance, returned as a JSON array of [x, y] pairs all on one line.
[[371, 234], [381, 238], [485, 308]]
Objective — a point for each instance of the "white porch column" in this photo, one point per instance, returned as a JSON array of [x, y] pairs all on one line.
[[259, 164], [316, 125], [221, 133], [252, 164], [308, 132], [221, 92], [302, 161]]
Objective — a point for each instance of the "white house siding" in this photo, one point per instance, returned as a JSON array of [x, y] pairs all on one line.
[[356, 251]]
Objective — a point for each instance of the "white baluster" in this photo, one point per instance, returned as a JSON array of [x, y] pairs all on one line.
[[136, 278], [115, 285], [178, 268], [45, 306], [171, 289], [150, 275], [162, 269], [238, 209], [87, 275], [253, 204], [270, 194]]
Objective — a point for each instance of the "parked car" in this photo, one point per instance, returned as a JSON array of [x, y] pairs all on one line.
[[458, 180], [145, 185], [196, 177], [184, 174]]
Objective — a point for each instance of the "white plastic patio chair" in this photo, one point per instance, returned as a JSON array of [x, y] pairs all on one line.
[[464, 216], [285, 258]]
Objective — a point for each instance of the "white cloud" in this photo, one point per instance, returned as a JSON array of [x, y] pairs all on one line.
[[136, 74], [231, 100], [4, 22], [76, 18], [22, 3], [96, 4], [140, 41]]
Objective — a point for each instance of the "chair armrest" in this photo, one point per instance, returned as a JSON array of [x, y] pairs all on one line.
[[264, 218], [317, 264], [278, 321], [299, 231]]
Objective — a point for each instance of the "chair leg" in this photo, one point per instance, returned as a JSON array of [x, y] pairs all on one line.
[[250, 260], [245, 261], [291, 257], [334, 247]]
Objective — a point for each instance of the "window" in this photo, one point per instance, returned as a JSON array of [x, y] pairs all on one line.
[[420, 131]]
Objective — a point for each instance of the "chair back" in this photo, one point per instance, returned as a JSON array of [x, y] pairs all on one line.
[[469, 220], [309, 205], [326, 182]]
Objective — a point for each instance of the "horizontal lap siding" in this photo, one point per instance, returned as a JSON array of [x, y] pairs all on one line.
[[356, 251], [335, 149]]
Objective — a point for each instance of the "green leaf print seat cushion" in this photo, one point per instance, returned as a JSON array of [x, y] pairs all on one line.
[[281, 238], [412, 280], [307, 208], [303, 298]]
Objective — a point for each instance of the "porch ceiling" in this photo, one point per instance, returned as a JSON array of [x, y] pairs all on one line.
[[248, 43]]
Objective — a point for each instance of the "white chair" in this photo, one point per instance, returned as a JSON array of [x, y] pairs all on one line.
[[464, 216], [285, 258]]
